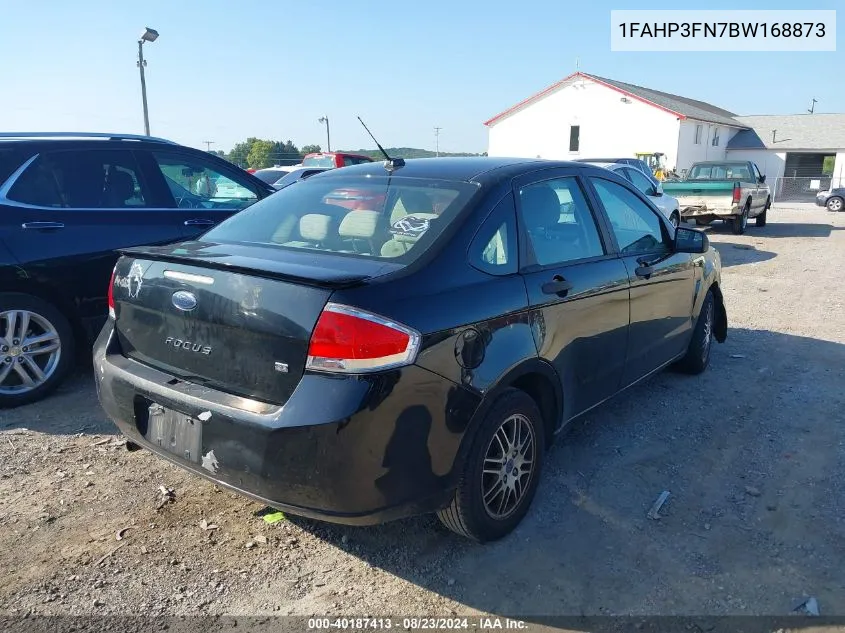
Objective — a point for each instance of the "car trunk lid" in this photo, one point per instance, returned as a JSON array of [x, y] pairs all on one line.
[[236, 318]]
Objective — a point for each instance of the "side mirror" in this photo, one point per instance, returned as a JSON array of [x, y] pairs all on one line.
[[690, 241], [658, 190], [763, 178]]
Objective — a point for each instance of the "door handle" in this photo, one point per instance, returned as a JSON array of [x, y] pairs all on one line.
[[43, 226], [557, 286], [199, 222]]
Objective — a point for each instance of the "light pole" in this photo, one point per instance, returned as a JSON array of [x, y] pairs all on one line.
[[437, 141], [325, 119], [149, 35]]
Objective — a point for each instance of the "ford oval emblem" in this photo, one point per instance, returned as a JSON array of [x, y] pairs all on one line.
[[184, 300]]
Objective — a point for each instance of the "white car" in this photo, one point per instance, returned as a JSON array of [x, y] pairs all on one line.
[[667, 204]]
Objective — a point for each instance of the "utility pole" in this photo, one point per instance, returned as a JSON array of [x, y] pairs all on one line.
[[208, 145], [437, 140], [325, 119], [149, 35]]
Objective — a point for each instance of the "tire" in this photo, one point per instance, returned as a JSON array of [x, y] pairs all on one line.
[[760, 220], [467, 514], [53, 356], [740, 222], [703, 221], [835, 204], [675, 219], [697, 357]]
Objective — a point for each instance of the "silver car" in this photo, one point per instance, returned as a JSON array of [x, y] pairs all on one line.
[[665, 203]]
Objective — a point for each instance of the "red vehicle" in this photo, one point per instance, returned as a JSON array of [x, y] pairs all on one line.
[[334, 159]]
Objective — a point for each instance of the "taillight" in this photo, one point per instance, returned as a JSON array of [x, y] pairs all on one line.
[[111, 293], [349, 340], [737, 192]]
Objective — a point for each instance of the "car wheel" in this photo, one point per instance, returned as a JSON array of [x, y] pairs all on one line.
[[36, 348], [698, 352], [675, 219], [501, 471], [835, 204], [760, 220], [703, 221], [740, 222]]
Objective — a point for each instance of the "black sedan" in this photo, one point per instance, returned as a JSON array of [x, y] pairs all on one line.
[[418, 354]]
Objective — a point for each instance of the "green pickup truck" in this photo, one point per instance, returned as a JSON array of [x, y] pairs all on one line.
[[733, 191]]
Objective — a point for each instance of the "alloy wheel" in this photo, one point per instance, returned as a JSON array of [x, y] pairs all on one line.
[[508, 466], [30, 349], [708, 332], [835, 204]]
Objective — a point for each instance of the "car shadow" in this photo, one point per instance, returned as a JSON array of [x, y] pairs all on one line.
[[71, 409], [739, 254], [749, 451], [775, 229]]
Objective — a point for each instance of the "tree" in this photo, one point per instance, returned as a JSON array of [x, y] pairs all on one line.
[[311, 149], [259, 155]]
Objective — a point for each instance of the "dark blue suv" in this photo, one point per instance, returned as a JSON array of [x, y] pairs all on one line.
[[67, 202]]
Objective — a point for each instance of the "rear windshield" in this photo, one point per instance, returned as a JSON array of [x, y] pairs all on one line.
[[295, 175], [374, 217], [318, 161], [269, 175], [723, 171]]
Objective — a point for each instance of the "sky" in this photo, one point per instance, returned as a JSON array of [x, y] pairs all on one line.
[[222, 71]]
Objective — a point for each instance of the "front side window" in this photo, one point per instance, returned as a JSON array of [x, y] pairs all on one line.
[[92, 179], [637, 228], [196, 184], [393, 218], [559, 222]]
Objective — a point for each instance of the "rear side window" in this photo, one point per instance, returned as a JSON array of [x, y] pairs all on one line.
[[375, 217], [319, 161], [94, 179], [494, 248]]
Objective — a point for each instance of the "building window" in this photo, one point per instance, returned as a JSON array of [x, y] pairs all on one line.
[[716, 137], [574, 137], [698, 130]]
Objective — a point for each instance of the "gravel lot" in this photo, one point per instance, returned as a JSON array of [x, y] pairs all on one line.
[[751, 451]]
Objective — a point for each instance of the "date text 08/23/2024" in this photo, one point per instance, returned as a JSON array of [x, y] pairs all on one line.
[[415, 623]]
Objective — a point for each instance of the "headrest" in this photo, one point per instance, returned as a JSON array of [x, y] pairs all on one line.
[[540, 206], [314, 227], [359, 223]]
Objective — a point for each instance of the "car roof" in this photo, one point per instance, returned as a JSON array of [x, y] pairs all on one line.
[[465, 168]]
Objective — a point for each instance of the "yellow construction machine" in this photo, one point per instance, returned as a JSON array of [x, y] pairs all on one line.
[[656, 162]]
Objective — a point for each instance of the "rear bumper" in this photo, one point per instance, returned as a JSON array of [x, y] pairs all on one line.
[[704, 211], [355, 450]]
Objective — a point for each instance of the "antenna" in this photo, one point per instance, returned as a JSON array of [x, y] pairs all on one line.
[[813, 106], [577, 64], [389, 163], [437, 140]]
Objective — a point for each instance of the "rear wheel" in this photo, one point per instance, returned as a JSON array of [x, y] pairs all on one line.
[[36, 348], [501, 472], [835, 204], [760, 220], [698, 352], [740, 222]]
